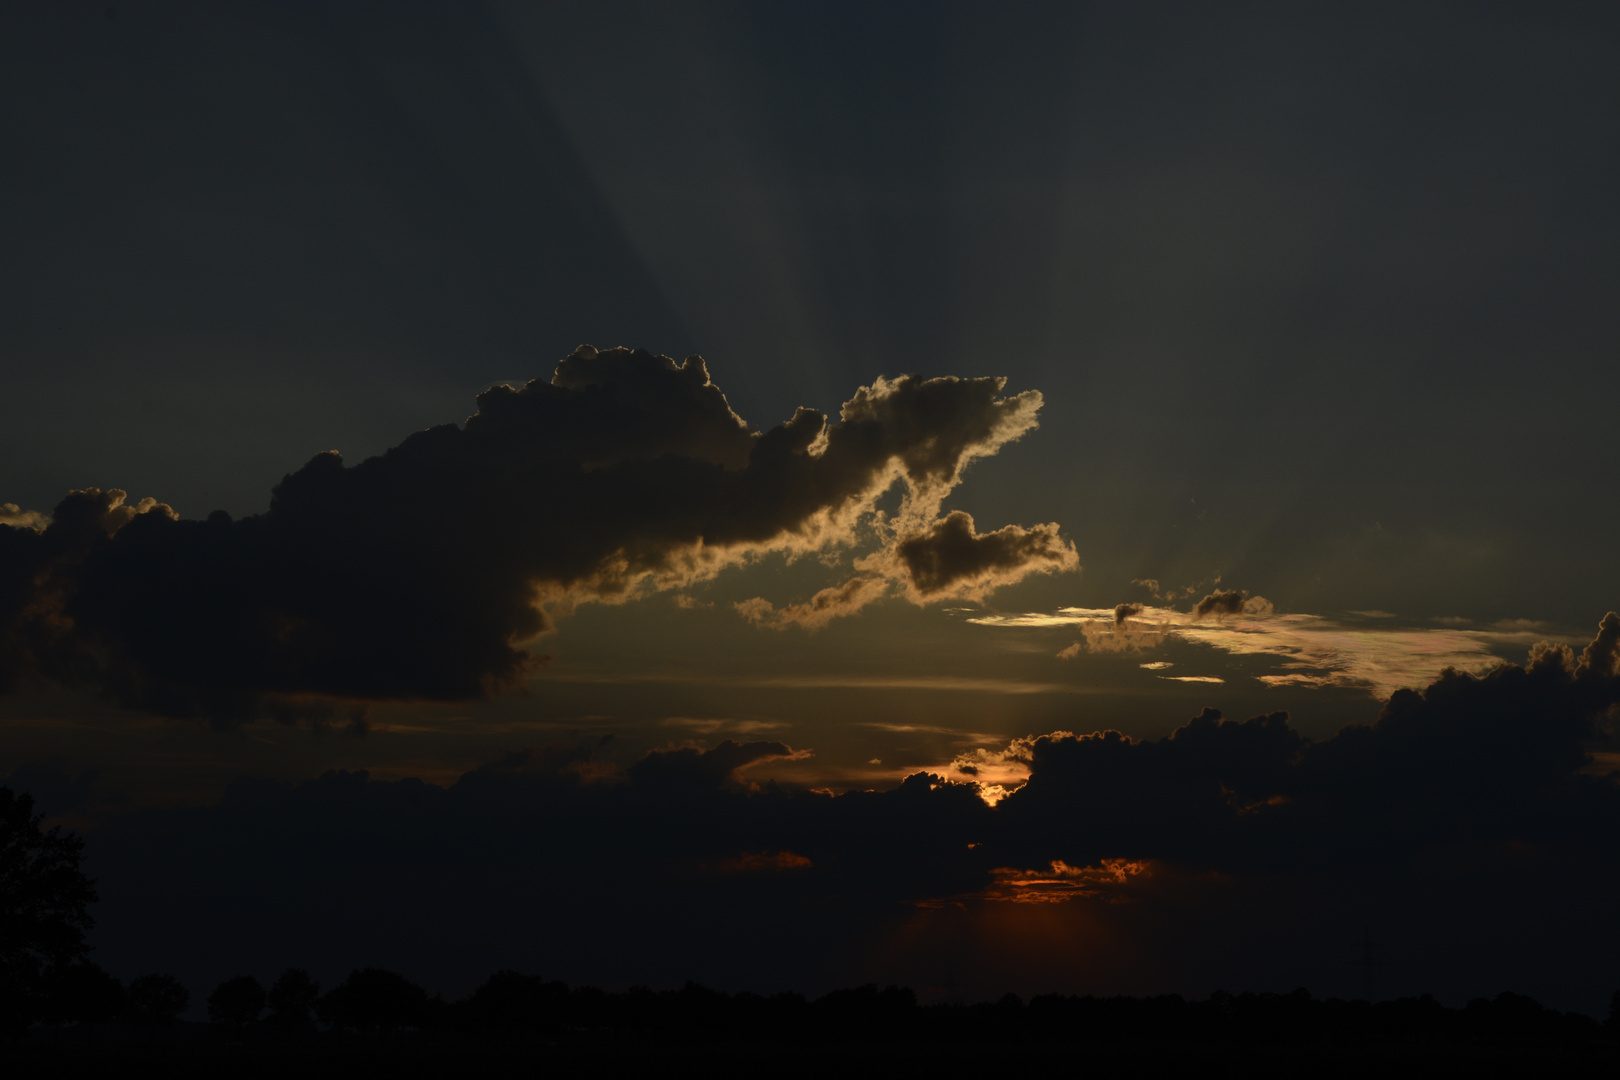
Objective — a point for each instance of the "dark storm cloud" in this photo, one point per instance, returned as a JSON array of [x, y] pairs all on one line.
[[1482, 773], [419, 574]]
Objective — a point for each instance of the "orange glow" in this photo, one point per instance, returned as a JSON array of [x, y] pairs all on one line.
[[756, 862]]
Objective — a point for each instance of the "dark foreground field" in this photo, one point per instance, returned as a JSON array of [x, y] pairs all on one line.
[[379, 1024], [397, 1058]]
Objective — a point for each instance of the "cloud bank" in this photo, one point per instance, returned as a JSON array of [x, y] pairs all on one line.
[[1471, 799], [421, 574]]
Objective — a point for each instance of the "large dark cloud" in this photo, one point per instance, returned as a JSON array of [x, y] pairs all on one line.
[[1472, 794], [421, 573]]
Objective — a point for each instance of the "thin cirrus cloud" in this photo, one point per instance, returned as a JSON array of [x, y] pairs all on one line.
[[836, 681], [423, 574], [1313, 650]]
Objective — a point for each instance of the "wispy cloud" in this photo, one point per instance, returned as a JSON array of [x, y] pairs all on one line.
[[1315, 650], [944, 683], [708, 725]]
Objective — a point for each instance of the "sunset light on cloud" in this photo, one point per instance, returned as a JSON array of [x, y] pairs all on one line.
[[983, 498], [1313, 650]]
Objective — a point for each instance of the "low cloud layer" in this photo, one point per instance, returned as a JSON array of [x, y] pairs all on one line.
[[422, 573], [1473, 795]]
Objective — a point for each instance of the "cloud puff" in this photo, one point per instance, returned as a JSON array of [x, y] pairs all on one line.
[[421, 574], [18, 518], [1224, 602], [950, 558]]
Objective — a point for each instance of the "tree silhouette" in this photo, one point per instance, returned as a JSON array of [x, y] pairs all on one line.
[[154, 1001], [82, 993], [371, 999], [43, 916], [237, 1001], [292, 997], [509, 1002]]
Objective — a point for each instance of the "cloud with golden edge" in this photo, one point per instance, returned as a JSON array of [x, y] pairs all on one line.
[[622, 475]]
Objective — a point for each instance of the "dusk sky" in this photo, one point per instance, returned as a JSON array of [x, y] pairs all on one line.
[[648, 492]]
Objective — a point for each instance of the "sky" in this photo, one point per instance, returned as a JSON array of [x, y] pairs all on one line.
[[786, 495]]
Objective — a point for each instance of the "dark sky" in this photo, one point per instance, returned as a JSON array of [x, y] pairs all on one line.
[[1310, 311]]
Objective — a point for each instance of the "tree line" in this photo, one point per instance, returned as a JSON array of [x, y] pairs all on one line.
[[510, 1006], [47, 981]]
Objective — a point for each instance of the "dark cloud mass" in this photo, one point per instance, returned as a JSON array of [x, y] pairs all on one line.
[[952, 558], [419, 574], [1224, 602], [1469, 793], [1472, 759]]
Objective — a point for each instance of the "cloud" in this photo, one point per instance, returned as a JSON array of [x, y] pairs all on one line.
[[1315, 650], [423, 573], [1117, 633], [947, 560], [709, 725], [1171, 595], [1466, 797], [951, 559], [690, 768], [18, 518], [822, 608], [1470, 759], [1226, 602], [1455, 808], [757, 862]]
